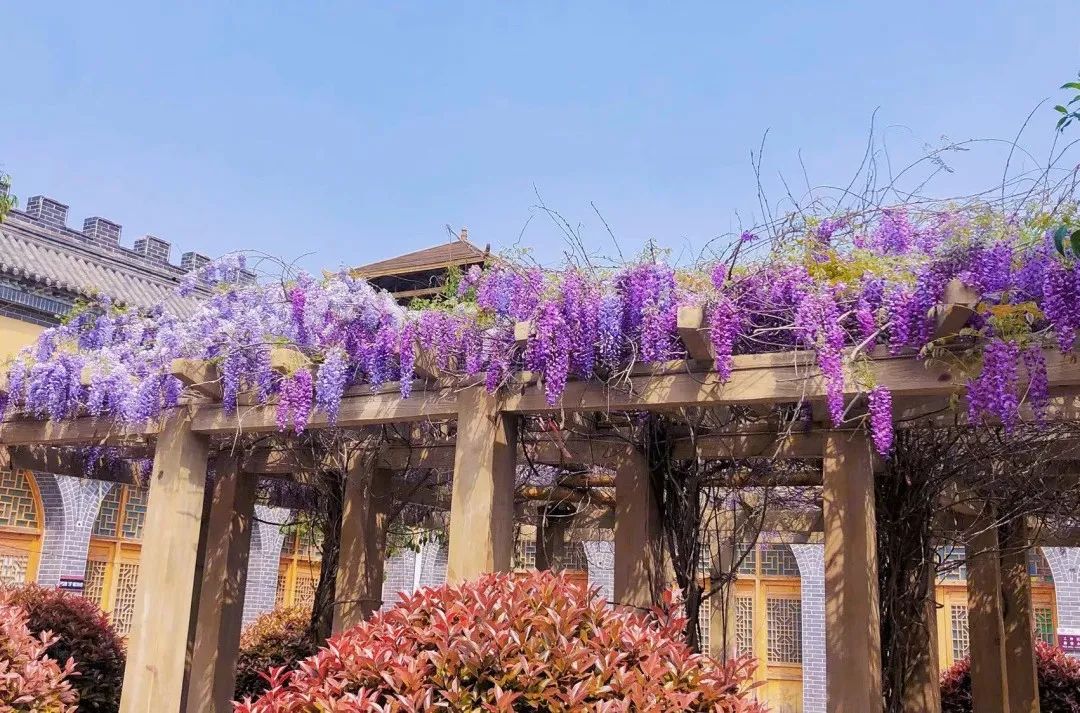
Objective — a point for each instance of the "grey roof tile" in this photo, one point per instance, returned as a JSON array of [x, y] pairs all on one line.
[[52, 259]]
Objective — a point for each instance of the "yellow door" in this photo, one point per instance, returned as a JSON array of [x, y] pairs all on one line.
[[768, 624]]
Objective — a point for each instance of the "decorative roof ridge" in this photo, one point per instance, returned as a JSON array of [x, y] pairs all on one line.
[[24, 226]]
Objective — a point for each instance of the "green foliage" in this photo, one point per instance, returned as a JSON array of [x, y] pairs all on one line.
[[277, 638], [1069, 112], [83, 634], [7, 201]]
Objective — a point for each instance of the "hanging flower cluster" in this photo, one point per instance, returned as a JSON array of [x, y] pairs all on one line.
[[840, 287]]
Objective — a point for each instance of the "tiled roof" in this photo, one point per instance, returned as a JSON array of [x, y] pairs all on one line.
[[455, 252], [52, 258]]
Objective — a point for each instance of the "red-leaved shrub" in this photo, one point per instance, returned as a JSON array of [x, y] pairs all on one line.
[[29, 680], [277, 638], [1059, 683], [83, 634], [506, 643]]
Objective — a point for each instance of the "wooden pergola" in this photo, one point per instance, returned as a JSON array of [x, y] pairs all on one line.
[[185, 632]]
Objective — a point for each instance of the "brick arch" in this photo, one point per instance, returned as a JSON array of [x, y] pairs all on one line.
[[1065, 565], [70, 507], [811, 559], [264, 560]]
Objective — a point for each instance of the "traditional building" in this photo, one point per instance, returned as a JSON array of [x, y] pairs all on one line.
[[423, 273]]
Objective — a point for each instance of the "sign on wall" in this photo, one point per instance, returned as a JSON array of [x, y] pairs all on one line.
[[1069, 641], [72, 583]]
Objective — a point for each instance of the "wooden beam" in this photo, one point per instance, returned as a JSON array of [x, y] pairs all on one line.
[[287, 360], [986, 629], [957, 307], [747, 444], [852, 626], [556, 494], [79, 431], [482, 501], [693, 332], [59, 461], [522, 332], [639, 549], [198, 375], [160, 643], [275, 461], [221, 594], [764, 378], [577, 452], [400, 458], [369, 410], [363, 543]]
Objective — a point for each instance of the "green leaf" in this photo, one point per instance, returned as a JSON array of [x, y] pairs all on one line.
[[1075, 240], [1059, 238], [1071, 85], [1062, 109]]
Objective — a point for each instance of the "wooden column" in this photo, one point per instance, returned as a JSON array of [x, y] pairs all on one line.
[[852, 608], [551, 526], [1017, 620], [363, 543], [639, 545], [986, 632], [162, 632], [224, 582], [922, 692], [722, 613], [482, 502]]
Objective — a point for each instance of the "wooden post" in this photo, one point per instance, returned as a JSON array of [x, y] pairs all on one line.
[[986, 632], [160, 644], [722, 614], [482, 501], [552, 523], [1017, 619], [639, 544], [224, 582], [922, 691], [852, 608], [363, 543]]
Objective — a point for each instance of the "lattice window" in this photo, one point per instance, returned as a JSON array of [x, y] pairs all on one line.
[[953, 567], [304, 590], [1038, 567], [704, 622], [14, 567], [134, 512], [524, 553], [1043, 619], [778, 560], [94, 587], [574, 557], [744, 625], [17, 508], [749, 562], [784, 624], [108, 514], [282, 581], [958, 617], [127, 580]]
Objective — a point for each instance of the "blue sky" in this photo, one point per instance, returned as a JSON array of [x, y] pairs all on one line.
[[341, 133]]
